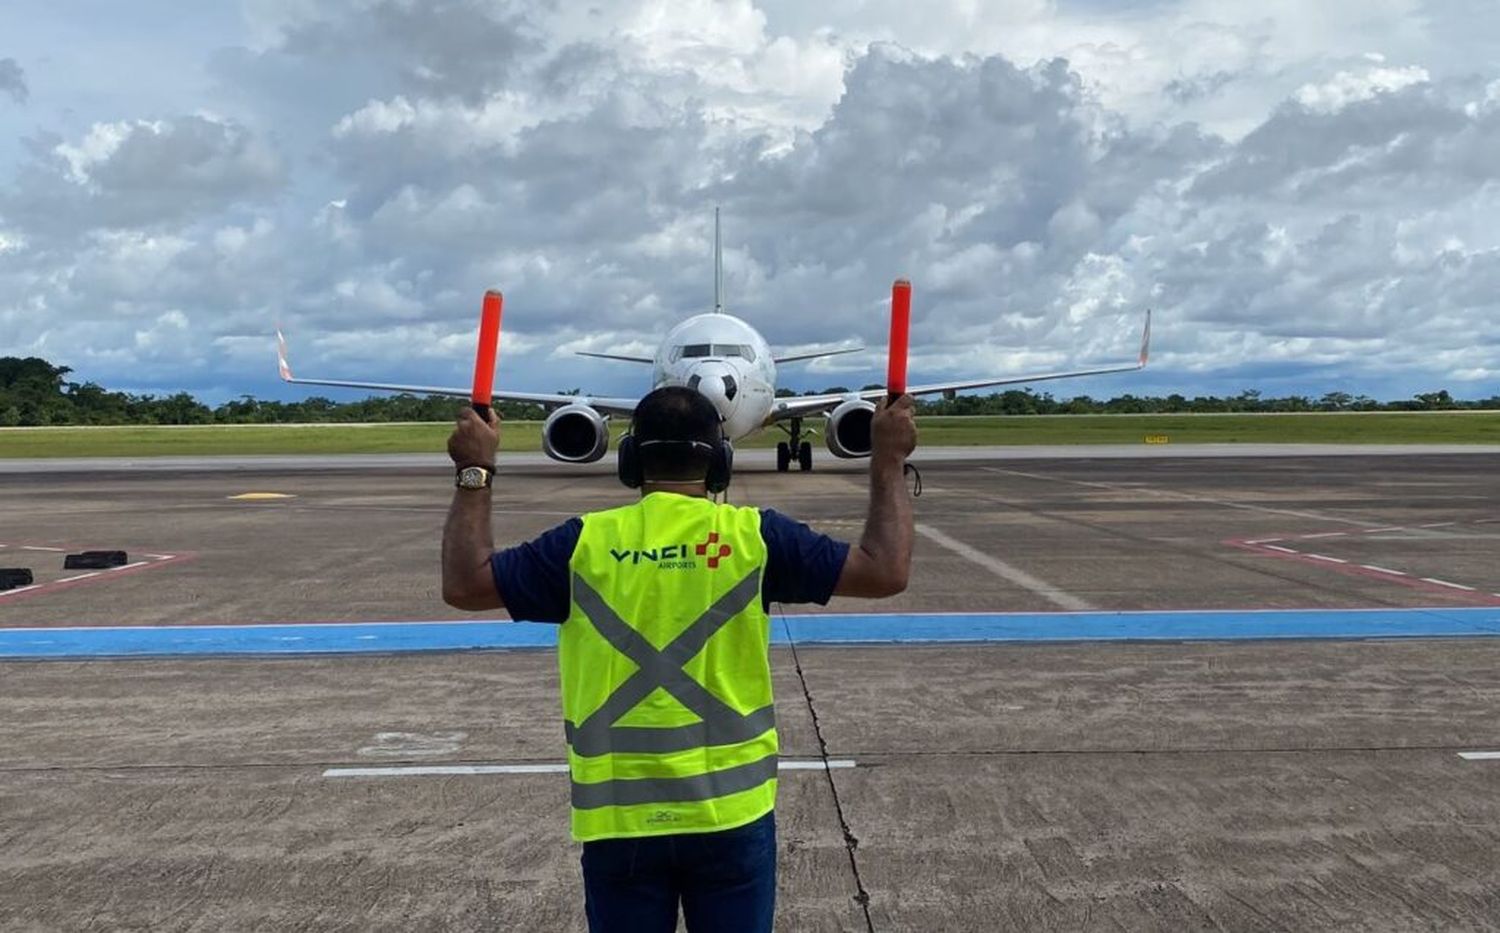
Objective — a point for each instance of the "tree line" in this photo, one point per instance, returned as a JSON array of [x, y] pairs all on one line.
[[34, 392]]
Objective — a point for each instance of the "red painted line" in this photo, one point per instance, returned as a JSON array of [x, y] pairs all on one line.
[[1369, 571], [158, 560]]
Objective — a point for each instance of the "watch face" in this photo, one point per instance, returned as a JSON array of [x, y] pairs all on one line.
[[471, 478]]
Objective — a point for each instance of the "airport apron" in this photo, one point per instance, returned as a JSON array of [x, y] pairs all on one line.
[[666, 676]]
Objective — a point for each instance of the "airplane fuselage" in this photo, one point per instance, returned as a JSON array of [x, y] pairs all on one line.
[[728, 362]]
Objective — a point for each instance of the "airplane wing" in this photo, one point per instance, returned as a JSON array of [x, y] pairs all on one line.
[[610, 406], [615, 356], [818, 354], [801, 406]]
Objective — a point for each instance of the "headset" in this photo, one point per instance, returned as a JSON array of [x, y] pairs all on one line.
[[720, 461]]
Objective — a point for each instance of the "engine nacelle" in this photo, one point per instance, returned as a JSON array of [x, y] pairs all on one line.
[[848, 429], [575, 434]]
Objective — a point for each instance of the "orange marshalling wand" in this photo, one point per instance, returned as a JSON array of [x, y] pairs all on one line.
[[489, 348], [895, 374]]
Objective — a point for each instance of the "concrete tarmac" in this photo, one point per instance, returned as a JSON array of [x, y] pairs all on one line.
[[1208, 785]]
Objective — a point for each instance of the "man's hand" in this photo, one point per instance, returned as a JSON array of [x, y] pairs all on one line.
[[473, 442], [893, 429]]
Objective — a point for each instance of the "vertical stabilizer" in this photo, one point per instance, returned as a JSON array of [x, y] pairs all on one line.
[[718, 267]]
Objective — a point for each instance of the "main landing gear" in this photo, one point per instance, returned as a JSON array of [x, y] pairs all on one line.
[[797, 449]]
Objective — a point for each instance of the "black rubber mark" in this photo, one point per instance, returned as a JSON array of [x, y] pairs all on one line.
[[851, 842]]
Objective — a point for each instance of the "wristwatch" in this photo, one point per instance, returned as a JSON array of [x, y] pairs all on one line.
[[474, 477]]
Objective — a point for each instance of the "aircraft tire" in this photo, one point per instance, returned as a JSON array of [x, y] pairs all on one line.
[[804, 457], [783, 456]]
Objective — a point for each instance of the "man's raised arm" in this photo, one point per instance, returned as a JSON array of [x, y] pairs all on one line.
[[881, 564], [468, 542]]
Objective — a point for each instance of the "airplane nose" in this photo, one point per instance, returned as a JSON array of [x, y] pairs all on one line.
[[718, 387]]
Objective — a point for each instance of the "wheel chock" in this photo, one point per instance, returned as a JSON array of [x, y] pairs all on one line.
[[12, 578], [95, 560]]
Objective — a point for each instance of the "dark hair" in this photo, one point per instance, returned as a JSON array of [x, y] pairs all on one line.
[[676, 413]]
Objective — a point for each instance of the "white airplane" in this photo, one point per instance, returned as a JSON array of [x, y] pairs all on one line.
[[728, 361]]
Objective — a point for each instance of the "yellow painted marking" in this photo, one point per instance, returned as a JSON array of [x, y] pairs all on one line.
[[1158, 439], [261, 496]]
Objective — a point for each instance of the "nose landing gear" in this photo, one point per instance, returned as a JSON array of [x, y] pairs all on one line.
[[797, 449]]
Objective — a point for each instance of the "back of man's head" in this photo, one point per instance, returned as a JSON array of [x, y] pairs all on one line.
[[690, 425]]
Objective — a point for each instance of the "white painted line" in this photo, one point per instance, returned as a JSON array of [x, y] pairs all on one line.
[[1264, 540], [19, 589], [1325, 534], [139, 563], [1379, 569], [439, 770], [1331, 560], [790, 764], [160, 556], [1437, 525], [1000, 568], [1284, 550], [1456, 586], [81, 576], [1376, 531], [1479, 756], [32, 547], [1182, 496]]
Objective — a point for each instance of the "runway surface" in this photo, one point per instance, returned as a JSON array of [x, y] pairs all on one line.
[[1268, 671], [753, 458]]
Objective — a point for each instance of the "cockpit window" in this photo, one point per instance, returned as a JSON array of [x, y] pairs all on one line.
[[716, 350]]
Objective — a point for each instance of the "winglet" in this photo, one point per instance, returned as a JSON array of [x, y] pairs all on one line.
[[281, 363], [1146, 340]]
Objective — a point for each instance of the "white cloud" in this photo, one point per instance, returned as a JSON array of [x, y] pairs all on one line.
[[1346, 87], [1303, 191], [102, 141]]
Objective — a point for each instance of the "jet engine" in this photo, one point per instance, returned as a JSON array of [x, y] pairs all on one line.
[[848, 429], [575, 434]]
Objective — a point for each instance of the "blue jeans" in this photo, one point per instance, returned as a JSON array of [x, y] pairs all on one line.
[[726, 881]]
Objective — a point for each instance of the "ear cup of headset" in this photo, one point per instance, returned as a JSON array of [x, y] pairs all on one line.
[[628, 463], [720, 466]]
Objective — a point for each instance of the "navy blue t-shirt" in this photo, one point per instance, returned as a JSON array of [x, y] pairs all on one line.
[[802, 566]]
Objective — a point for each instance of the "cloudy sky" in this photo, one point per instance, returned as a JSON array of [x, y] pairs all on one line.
[[1306, 192]]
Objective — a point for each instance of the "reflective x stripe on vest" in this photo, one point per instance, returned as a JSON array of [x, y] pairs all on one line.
[[598, 734], [639, 778]]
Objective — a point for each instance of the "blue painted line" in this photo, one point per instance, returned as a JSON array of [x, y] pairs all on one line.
[[832, 629], [1204, 625]]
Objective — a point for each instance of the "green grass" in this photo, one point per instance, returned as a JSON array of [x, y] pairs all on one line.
[[1379, 428]]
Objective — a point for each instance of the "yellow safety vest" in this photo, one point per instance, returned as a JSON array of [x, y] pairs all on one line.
[[666, 674]]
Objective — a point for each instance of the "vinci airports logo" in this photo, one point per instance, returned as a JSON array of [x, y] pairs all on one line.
[[677, 556]]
